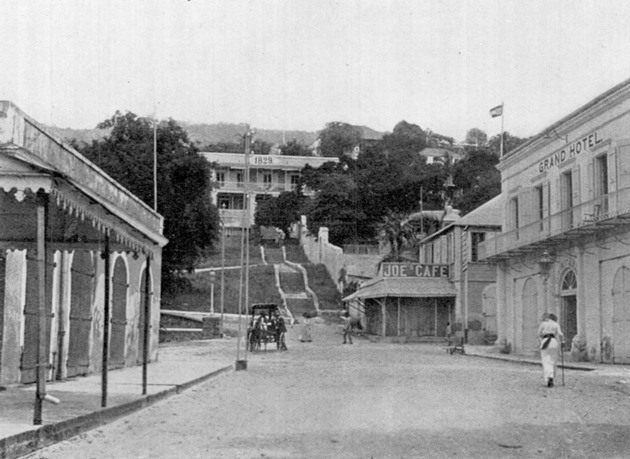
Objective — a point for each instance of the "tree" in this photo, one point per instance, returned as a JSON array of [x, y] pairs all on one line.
[[191, 221], [337, 139], [224, 147], [478, 179], [259, 147], [397, 231], [476, 138], [510, 142], [295, 148], [334, 206], [280, 212]]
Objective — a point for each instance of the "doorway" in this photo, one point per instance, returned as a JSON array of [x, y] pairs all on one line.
[[568, 307]]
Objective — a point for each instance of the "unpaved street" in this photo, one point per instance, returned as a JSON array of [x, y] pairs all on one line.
[[381, 400]]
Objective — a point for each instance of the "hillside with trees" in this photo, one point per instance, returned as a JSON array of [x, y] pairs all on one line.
[[365, 199]]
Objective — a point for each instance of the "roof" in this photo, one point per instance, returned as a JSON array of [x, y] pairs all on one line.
[[489, 214], [405, 287], [439, 152]]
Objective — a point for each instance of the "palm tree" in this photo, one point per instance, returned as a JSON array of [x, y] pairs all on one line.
[[399, 233]]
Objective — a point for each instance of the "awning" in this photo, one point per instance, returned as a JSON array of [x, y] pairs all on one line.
[[405, 287]]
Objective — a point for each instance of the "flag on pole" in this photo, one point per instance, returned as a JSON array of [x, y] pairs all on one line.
[[496, 111]]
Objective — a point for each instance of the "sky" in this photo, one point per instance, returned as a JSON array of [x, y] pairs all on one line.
[[299, 64]]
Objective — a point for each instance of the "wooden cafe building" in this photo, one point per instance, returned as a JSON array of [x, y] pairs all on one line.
[[410, 300]]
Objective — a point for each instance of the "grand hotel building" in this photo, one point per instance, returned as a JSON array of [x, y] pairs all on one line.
[[565, 245]]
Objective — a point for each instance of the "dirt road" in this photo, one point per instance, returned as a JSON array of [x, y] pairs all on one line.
[[381, 400]]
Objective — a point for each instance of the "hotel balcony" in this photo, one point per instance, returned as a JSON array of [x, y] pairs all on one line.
[[260, 188], [588, 219]]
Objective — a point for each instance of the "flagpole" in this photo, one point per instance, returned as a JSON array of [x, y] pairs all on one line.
[[502, 118]]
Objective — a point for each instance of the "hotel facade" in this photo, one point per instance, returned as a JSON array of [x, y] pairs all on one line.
[[565, 245]]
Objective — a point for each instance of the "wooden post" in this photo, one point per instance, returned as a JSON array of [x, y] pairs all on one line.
[[384, 313], [398, 333], [42, 358], [106, 313], [147, 322]]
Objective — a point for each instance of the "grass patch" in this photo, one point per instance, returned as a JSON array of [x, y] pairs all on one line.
[[322, 284], [262, 289], [232, 256], [292, 282], [295, 253]]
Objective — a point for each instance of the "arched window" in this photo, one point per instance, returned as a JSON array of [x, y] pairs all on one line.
[[569, 282]]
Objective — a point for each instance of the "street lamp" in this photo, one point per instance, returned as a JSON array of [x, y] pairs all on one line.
[[544, 263]]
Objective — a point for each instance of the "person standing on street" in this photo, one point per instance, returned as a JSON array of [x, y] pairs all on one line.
[[305, 337], [551, 338], [347, 328], [281, 331]]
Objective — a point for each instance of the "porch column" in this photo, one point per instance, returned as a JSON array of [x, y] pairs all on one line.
[[501, 305], [398, 327], [106, 319], [384, 314], [42, 357], [147, 324]]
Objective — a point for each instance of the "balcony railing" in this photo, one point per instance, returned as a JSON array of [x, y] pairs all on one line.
[[258, 187], [586, 218]]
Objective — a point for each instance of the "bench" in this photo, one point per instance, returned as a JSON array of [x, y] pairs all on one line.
[[458, 347]]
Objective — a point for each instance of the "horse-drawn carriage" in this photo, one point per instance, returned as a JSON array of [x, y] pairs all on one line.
[[266, 325]]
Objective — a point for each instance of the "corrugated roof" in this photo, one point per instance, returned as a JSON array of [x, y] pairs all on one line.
[[405, 287], [488, 214]]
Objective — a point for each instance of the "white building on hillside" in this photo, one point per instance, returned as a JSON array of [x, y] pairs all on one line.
[[269, 175]]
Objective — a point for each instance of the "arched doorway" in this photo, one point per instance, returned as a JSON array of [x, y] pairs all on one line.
[[568, 306], [81, 298], [530, 318], [141, 315], [621, 316], [119, 314]]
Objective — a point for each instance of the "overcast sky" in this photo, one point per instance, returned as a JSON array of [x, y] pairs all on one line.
[[298, 64]]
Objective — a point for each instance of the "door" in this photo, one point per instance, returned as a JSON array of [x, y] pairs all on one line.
[[568, 307], [119, 314], [621, 316], [81, 301], [530, 318], [568, 318], [28, 364]]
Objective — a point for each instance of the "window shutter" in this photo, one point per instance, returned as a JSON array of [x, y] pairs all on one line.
[[623, 162], [575, 173], [590, 181], [612, 172], [545, 189]]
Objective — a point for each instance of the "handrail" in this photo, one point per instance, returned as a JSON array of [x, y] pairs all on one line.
[[602, 208]]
